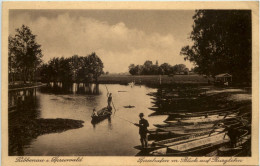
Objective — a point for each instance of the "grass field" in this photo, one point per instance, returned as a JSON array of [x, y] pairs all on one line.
[[153, 79]]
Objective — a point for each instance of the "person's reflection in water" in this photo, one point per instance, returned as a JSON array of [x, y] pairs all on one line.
[[94, 125], [110, 127]]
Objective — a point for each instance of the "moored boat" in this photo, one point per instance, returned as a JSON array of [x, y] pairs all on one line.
[[185, 145], [197, 151], [190, 131], [199, 126], [203, 119]]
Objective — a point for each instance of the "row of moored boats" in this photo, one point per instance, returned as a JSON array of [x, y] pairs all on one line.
[[214, 133]]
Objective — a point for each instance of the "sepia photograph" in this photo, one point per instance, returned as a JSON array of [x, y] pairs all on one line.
[[130, 82]]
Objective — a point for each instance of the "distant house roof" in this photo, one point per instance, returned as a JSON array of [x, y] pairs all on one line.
[[223, 75]]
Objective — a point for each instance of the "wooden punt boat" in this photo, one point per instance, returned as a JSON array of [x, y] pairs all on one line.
[[160, 136], [102, 114], [185, 145], [194, 131], [175, 133], [203, 113], [194, 117], [198, 126], [203, 119], [188, 127], [162, 125], [153, 108], [146, 150], [188, 138], [168, 142], [189, 131], [197, 151], [129, 106]]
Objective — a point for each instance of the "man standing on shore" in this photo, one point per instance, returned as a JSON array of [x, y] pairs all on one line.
[[143, 124]]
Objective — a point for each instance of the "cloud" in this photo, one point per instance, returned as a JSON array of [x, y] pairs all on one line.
[[117, 45]]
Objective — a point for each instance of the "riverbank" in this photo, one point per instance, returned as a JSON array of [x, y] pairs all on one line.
[[22, 132], [153, 79], [21, 85]]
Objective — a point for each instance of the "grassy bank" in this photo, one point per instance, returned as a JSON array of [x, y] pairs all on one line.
[[22, 132], [153, 79]]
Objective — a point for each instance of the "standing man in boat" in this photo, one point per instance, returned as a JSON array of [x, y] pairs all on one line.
[[109, 100], [143, 124]]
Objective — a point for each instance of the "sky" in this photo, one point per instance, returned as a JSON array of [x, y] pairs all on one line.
[[119, 37]]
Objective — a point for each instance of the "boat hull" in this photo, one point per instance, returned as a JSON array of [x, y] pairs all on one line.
[[186, 146], [104, 113], [198, 151]]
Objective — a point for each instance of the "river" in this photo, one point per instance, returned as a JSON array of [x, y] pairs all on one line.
[[111, 137]]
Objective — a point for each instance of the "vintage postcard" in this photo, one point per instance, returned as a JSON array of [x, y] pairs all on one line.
[[130, 83]]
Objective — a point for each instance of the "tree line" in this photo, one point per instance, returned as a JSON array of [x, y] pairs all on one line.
[[73, 69], [148, 68], [25, 62]]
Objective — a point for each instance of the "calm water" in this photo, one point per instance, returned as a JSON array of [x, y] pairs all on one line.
[[109, 137]]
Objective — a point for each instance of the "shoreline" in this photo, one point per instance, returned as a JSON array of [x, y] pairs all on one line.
[[25, 86], [25, 130], [154, 79]]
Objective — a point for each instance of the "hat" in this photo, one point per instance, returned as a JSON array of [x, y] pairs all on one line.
[[141, 114]]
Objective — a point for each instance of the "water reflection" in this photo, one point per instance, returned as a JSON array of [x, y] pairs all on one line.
[[109, 122], [110, 127], [22, 108], [76, 101], [75, 88]]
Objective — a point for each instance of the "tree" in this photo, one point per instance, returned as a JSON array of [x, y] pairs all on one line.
[[156, 63], [155, 69], [132, 70], [186, 71], [147, 67], [53, 65], [65, 72], [76, 63], [25, 51], [165, 68], [45, 73], [222, 43], [94, 66], [12, 64], [179, 68]]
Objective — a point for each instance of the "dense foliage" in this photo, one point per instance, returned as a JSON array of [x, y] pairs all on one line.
[[222, 43], [148, 68], [74, 69], [24, 55]]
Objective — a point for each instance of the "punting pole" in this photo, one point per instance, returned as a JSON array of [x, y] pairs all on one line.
[[115, 110], [112, 100]]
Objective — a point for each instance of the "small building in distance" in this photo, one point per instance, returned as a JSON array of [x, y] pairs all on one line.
[[223, 79]]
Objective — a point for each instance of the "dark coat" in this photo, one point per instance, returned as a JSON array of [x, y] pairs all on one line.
[[143, 124]]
